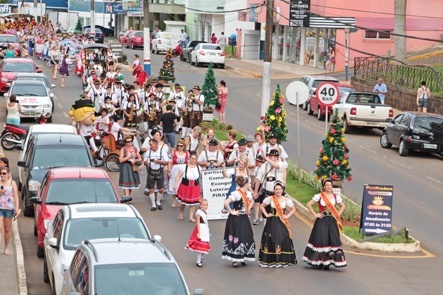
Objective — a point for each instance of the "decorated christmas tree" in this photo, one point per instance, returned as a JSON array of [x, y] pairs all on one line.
[[78, 27], [167, 70], [209, 88], [333, 161], [275, 117]]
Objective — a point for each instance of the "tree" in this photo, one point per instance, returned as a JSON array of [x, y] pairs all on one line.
[[275, 117], [167, 70], [209, 88], [333, 161], [78, 27]]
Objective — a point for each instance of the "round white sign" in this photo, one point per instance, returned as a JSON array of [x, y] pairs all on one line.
[[327, 94], [297, 92]]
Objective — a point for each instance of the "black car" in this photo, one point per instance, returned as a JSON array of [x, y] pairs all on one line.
[[98, 37], [414, 131], [47, 151], [108, 32], [186, 55]]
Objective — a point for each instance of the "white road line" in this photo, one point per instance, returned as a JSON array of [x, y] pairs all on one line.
[[60, 105], [368, 149], [436, 180], [65, 114], [399, 164]]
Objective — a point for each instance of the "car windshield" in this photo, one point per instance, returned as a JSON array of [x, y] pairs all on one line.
[[139, 278], [47, 157], [429, 123], [18, 67], [29, 90], [69, 191], [31, 78], [78, 230], [8, 39], [139, 34], [318, 82], [211, 47], [344, 90]]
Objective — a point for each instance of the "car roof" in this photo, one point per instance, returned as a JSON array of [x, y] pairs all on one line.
[[54, 139], [52, 128], [421, 114], [39, 75], [18, 60], [129, 251], [78, 173], [8, 35], [28, 82], [327, 78], [100, 210]]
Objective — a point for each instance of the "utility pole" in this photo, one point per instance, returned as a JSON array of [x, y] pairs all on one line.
[[147, 37], [266, 90], [93, 18], [400, 28]]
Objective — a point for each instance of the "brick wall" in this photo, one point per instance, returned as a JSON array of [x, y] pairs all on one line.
[[400, 97]]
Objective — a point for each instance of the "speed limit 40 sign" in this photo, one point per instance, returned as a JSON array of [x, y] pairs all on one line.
[[327, 94]]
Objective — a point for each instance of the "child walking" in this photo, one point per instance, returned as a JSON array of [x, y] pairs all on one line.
[[199, 240]]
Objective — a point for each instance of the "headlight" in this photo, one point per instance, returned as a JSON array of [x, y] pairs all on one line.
[[415, 136], [46, 106], [33, 185], [46, 222]]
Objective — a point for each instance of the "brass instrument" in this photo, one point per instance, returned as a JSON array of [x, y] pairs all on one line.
[[152, 113], [131, 112], [188, 104]]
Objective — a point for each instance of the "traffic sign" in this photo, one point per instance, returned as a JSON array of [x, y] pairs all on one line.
[[327, 94], [297, 92]]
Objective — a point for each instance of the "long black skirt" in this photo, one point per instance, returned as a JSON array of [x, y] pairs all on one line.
[[324, 245], [276, 247], [128, 178], [238, 241]]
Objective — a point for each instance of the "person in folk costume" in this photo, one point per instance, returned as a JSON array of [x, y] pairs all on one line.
[[140, 75], [130, 108], [186, 110], [117, 96], [110, 75], [179, 98], [179, 157], [150, 112], [97, 95], [199, 240], [130, 158], [197, 107], [324, 246], [79, 68]]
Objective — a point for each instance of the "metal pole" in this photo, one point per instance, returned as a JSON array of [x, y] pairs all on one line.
[[266, 90], [93, 18], [298, 139], [147, 34], [326, 119], [347, 53]]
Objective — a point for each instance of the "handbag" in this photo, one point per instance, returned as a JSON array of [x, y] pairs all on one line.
[[204, 232]]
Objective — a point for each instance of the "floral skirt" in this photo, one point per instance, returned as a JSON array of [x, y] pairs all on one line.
[[195, 244], [128, 178], [238, 241]]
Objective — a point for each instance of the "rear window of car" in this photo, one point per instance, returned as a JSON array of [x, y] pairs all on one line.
[[211, 47], [29, 90], [8, 39], [363, 98], [318, 82], [139, 34], [429, 123], [18, 67]]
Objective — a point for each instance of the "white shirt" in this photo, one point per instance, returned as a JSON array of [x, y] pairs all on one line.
[[98, 97], [268, 175], [208, 156], [283, 154], [287, 202], [236, 196], [236, 154], [192, 173], [159, 154], [178, 97], [195, 106], [333, 200]]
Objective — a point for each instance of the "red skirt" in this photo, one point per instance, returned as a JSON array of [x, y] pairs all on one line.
[[195, 244], [189, 194]]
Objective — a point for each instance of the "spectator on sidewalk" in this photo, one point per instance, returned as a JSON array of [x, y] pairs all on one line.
[[423, 95], [213, 38], [381, 89], [222, 41]]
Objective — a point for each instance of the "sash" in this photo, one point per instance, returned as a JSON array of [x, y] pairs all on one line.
[[245, 200], [281, 214], [332, 210]]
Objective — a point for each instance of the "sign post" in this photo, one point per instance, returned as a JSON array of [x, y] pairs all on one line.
[[376, 215], [327, 95]]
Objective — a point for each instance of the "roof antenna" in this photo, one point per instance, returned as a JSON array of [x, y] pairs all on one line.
[[118, 233]]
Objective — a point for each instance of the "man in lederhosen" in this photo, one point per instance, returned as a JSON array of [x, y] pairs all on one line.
[[186, 109], [150, 111], [179, 97], [197, 107]]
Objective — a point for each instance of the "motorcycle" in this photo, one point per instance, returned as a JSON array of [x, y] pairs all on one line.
[[13, 136]]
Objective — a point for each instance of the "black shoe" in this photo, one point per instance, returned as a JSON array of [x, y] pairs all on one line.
[[160, 207], [153, 208]]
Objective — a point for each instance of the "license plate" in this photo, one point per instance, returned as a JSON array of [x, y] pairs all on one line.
[[371, 123], [430, 146], [212, 53]]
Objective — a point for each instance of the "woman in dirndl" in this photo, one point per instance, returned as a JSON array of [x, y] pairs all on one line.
[[188, 192], [324, 245], [179, 159], [64, 70], [238, 241], [199, 239], [129, 160], [276, 247]]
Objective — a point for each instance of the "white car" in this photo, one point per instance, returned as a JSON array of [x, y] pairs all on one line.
[[75, 223], [205, 53], [164, 41]]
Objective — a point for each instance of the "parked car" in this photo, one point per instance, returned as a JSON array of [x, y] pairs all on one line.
[[164, 41], [36, 77], [11, 66], [70, 185], [124, 36], [108, 32], [362, 110], [48, 151], [135, 39], [9, 39], [315, 107], [34, 97], [414, 131], [205, 53], [38, 129], [312, 82], [126, 266], [99, 37], [188, 49]]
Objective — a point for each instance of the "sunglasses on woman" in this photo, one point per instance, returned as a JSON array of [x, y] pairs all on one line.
[[129, 141]]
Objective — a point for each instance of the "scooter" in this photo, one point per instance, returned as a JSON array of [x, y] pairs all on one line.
[[13, 136]]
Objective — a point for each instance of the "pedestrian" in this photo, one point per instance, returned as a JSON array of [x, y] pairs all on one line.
[[130, 160], [213, 38], [330, 63], [136, 61], [178, 159], [54, 54], [276, 247], [222, 97], [4, 162], [168, 120], [9, 206], [64, 71], [199, 239], [238, 241], [187, 186], [423, 95], [183, 38], [10, 52], [197, 107], [222, 41], [324, 245], [13, 110], [381, 89]]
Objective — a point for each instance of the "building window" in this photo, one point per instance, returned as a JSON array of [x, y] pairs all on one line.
[[384, 35]]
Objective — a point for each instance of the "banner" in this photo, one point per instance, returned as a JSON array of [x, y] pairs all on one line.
[[113, 8], [376, 216], [215, 187], [5, 8], [135, 7]]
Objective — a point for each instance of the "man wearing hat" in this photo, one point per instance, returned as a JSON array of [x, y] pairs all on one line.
[[179, 98], [117, 96], [211, 157], [239, 152], [272, 144], [197, 107], [249, 145], [151, 110], [97, 95], [186, 110], [271, 171]]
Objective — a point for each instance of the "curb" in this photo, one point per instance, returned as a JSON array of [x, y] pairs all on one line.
[[19, 259]]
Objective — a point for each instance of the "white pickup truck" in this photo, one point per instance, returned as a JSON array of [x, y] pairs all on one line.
[[363, 110]]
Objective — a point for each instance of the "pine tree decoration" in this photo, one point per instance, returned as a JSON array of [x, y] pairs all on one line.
[[209, 88], [78, 27], [275, 117], [167, 70], [333, 161]]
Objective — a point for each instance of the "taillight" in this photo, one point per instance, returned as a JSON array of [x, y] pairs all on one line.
[[391, 113], [354, 111], [222, 54], [201, 52]]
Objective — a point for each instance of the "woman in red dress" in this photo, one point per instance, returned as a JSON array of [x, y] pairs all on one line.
[[222, 97], [199, 239]]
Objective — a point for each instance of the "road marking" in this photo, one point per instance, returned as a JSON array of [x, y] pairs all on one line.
[[368, 149], [399, 164], [66, 115], [433, 179], [60, 105]]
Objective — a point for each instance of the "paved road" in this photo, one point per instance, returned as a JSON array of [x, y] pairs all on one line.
[[416, 205]]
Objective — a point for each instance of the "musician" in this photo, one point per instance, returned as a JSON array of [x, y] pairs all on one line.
[[130, 108], [186, 109], [179, 97], [117, 96], [159, 95], [150, 111], [97, 95], [197, 107]]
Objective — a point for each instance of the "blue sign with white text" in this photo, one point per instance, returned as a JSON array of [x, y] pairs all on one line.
[[376, 215], [113, 8]]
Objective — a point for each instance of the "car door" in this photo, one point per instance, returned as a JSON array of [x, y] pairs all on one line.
[[392, 130], [70, 277], [38, 218], [53, 253], [403, 127], [27, 158]]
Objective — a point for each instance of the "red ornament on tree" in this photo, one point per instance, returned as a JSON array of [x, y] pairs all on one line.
[[334, 176], [333, 131], [335, 162], [349, 178]]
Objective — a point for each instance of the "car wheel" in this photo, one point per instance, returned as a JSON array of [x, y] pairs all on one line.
[[40, 252], [402, 150], [127, 46], [182, 57], [112, 162], [35, 229], [27, 211], [305, 105], [346, 126], [197, 64], [222, 66], [310, 112], [49, 120], [152, 49], [384, 142], [19, 186], [9, 145], [45, 271], [320, 117], [189, 59]]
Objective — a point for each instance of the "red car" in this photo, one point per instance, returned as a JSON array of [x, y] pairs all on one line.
[[10, 67], [135, 39], [124, 37], [70, 185], [9, 39], [315, 107]]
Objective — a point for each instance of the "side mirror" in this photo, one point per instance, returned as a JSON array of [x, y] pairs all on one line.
[[35, 200], [51, 95], [125, 199], [52, 242], [21, 164], [158, 238]]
